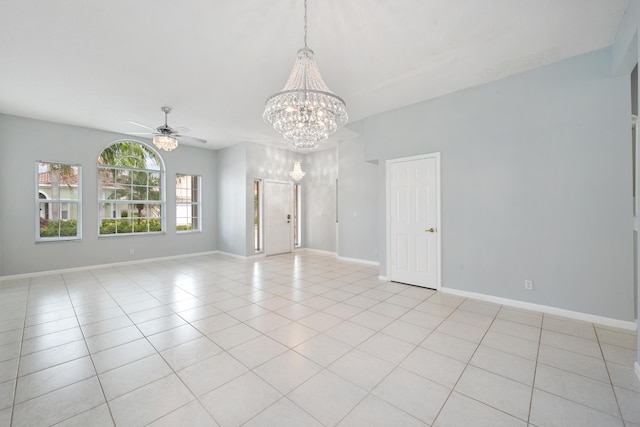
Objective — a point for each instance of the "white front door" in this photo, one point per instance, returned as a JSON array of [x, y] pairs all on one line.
[[414, 220], [278, 217]]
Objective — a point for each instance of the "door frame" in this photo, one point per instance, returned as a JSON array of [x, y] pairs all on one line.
[[265, 213], [389, 162]]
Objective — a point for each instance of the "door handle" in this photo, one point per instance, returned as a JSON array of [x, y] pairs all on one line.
[[431, 230]]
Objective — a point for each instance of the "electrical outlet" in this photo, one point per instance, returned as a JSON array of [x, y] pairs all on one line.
[[528, 285], [131, 251]]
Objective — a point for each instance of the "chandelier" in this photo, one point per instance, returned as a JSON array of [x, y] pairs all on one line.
[[165, 142], [296, 174], [305, 111]]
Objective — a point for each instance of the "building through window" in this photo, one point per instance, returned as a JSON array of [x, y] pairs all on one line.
[[58, 197], [130, 190], [188, 203]]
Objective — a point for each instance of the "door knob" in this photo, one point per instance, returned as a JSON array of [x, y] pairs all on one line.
[[431, 230]]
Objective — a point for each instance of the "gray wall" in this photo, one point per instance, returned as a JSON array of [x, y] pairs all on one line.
[[536, 184], [232, 229], [264, 162], [319, 200], [357, 202], [25, 141], [318, 190], [625, 57]]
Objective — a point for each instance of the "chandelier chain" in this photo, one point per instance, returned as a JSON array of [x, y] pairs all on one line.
[[305, 23]]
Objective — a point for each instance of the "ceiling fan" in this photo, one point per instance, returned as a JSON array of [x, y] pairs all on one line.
[[164, 136]]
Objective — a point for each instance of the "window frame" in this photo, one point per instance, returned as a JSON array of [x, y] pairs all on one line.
[[297, 215], [161, 171], [197, 204], [60, 202], [257, 222]]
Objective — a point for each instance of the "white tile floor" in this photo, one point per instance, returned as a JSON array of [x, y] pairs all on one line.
[[295, 340]]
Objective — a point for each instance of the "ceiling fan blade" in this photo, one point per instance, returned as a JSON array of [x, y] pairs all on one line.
[[140, 133], [143, 126], [191, 138]]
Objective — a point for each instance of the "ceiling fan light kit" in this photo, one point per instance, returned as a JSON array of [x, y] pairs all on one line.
[[164, 136], [165, 142], [305, 111]]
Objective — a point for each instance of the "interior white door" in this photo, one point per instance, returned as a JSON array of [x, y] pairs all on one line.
[[278, 217], [414, 221]]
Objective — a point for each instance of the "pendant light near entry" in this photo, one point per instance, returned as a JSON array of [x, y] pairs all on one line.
[[296, 173]]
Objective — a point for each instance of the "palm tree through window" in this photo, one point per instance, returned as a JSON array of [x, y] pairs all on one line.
[[130, 189]]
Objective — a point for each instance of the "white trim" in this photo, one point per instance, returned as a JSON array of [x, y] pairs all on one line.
[[385, 278], [591, 318], [97, 266], [359, 261], [243, 257], [318, 251], [264, 214], [636, 367], [232, 255], [438, 227]]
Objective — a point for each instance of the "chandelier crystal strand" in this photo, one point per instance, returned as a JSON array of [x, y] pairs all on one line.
[[296, 174], [305, 112], [165, 139], [165, 142]]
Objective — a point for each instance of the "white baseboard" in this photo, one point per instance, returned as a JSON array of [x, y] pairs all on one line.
[[636, 367], [317, 251], [383, 278], [97, 266], [592, 318], [359, 261], [232, 255]]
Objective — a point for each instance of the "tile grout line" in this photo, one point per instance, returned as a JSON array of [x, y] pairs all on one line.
[[367, 393], [397, 365], [606, 366], [15, 386], [469, 362], [535, 369], [146, 338], [84, 339]]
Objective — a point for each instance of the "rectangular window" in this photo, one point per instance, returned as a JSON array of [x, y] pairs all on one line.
[[58, 202], [188, 207], [257, 215]]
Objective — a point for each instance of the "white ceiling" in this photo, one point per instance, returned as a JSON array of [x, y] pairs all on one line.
[[100, 64]]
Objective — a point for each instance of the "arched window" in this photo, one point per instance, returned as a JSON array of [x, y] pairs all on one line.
[[130, 189]]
